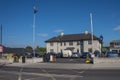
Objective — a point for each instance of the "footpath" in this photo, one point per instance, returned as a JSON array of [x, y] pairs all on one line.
[[66, 65], [62, 65]]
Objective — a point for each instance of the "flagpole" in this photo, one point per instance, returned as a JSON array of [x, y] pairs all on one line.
[[35, 10], [91, 30], [34, 36]]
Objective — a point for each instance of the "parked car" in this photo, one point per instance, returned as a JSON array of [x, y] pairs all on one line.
[[75, 55], [119, 54], [111, 54], [59, 55], [97, 53], [52, 53], [23, 54], [36, 55], [85, 54]]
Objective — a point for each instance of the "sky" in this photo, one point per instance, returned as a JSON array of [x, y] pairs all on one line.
[[56, 16]]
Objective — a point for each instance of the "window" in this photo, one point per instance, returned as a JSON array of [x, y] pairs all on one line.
[[89, 41], [78, 50], [51, 44], [70, 43], [78, 43], [61, 51], [64, 43], [51, 50], [61, 43]]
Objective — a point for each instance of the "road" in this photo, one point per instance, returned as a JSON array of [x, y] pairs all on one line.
[[13, 73]]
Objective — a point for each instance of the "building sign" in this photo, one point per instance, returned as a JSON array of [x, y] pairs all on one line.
[[1, 48]]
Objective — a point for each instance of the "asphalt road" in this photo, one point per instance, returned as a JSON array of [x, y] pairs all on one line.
[[13, 73]]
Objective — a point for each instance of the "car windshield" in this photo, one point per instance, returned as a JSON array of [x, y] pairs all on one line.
[[85, 53], [112, 52]]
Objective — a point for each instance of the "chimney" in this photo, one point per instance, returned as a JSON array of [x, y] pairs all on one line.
[[62, 34], [86, 32]]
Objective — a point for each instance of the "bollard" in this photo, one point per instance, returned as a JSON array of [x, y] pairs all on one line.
[[16, 59], [87, 60], [23, 59]]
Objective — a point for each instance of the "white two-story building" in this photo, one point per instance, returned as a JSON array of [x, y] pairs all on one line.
[[74, 42], [115, 46]]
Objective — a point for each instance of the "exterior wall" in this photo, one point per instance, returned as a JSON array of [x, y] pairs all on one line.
[[115, 46], [96, 46], [57, 48]]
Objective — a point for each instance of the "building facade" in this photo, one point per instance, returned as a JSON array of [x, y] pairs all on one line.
[[74, 42], [115, 45]]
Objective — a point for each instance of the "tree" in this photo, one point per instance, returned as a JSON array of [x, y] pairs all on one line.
[[29, 49], [40, 50]]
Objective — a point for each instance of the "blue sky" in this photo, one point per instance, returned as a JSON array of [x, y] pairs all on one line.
[[54, 16]]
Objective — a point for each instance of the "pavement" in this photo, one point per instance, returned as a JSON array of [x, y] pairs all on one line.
[[49, 65], [66, 65]]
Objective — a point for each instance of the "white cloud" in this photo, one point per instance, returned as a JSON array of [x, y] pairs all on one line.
[[117, 28], [59, 30], [43, 35]]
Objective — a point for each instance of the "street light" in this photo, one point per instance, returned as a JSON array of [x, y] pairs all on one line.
[[91, 30], [35, 11]]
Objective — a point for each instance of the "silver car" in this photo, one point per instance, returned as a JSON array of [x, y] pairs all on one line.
[[75, 55]]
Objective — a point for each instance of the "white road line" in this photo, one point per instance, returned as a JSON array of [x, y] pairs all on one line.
[[44, 74], [81, 72], [48, 74]]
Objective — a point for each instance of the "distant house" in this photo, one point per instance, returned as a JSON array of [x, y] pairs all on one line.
[[13, 50], [115, 45], [74, 42]]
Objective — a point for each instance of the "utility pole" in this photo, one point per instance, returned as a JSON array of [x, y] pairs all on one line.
[[91, 30], [35, 11]]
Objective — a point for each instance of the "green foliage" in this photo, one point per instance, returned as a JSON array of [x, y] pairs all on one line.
[[29, 49], [105, 48], [40, 50]]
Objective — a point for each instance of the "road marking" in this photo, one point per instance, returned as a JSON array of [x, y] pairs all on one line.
[[78, 71], [71, 60], [48, 74], [44, 74], [81, 72]]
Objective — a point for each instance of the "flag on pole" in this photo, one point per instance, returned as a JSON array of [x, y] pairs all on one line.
[[35, 9]]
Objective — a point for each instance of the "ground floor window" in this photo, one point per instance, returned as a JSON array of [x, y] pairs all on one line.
[[51, 50]]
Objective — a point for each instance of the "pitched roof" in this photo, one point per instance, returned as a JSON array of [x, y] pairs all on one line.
[[13, 50], [115, 41], [72, 37]]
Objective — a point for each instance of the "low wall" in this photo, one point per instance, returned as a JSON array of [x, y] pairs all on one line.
[[106, 60], [27, 60]]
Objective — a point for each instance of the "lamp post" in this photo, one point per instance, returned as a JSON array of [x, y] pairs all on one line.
[[91, 30], [35, 11]]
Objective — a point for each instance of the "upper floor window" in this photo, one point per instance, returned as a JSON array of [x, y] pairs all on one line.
[[70, 43], [51, 44], [117, 43], [89, 41]]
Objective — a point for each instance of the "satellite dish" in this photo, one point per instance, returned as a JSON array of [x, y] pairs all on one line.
[[86, 32]]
